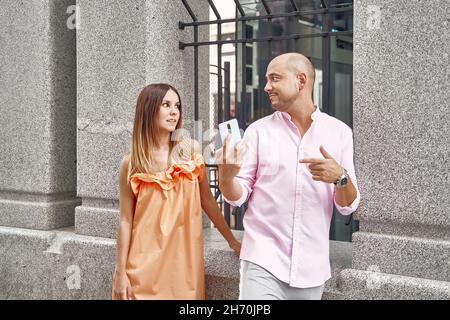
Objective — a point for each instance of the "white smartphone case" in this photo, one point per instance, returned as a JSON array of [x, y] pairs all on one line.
[[230, 127]]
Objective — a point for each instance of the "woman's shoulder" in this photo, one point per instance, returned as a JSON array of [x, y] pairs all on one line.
[[186, 149], [192, 144], [124, 165], [125, 161]]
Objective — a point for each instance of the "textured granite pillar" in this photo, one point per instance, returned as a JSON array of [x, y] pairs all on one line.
[[401, 130], [38, 112], [121, 47]]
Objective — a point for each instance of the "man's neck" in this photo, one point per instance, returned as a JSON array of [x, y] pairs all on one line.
[[300, 112]]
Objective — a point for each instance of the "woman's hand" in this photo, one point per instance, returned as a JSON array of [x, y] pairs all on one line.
[[122, 287], [236, 246]]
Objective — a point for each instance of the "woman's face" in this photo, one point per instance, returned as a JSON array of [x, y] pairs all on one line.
[[169, 112]]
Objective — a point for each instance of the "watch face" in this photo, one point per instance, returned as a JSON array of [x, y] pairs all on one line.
[[343, 181]]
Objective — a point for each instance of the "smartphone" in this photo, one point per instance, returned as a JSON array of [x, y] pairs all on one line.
[[230, 127]]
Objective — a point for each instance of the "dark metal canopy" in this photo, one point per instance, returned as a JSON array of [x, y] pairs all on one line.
[[268, 16]]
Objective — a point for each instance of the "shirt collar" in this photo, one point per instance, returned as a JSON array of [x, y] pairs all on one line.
[[314, 115]]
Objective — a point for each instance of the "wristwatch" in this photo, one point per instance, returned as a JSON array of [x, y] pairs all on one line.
[[343, 179]]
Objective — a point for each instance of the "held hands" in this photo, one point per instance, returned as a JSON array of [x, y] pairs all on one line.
[[236, 246], [325, 170], [229, 160]]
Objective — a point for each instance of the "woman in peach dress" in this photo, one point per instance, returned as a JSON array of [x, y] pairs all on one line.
[[163, 188]]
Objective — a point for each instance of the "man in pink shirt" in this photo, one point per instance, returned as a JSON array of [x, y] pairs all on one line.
[[291, 167]]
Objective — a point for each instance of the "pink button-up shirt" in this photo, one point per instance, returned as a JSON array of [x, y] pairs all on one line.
[[288, 218]]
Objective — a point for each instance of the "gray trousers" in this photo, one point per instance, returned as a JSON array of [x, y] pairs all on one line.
[[256, 283]]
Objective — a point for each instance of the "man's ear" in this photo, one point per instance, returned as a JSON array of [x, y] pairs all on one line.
[[301, 80]]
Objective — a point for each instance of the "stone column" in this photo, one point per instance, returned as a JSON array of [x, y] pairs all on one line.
[[37, 122], [401, 129], [121, 47]]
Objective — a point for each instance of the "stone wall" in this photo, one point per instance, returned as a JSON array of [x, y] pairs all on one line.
[[401, 130]]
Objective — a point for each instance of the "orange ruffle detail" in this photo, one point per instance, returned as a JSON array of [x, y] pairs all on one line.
[[167, 179]]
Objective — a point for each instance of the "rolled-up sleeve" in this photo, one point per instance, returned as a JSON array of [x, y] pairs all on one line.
[[247, 174], [348, 163]]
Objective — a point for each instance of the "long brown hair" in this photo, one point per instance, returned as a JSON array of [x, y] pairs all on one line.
[[145, 128]]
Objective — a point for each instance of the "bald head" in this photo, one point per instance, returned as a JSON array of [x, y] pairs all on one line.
[[297, 63]]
